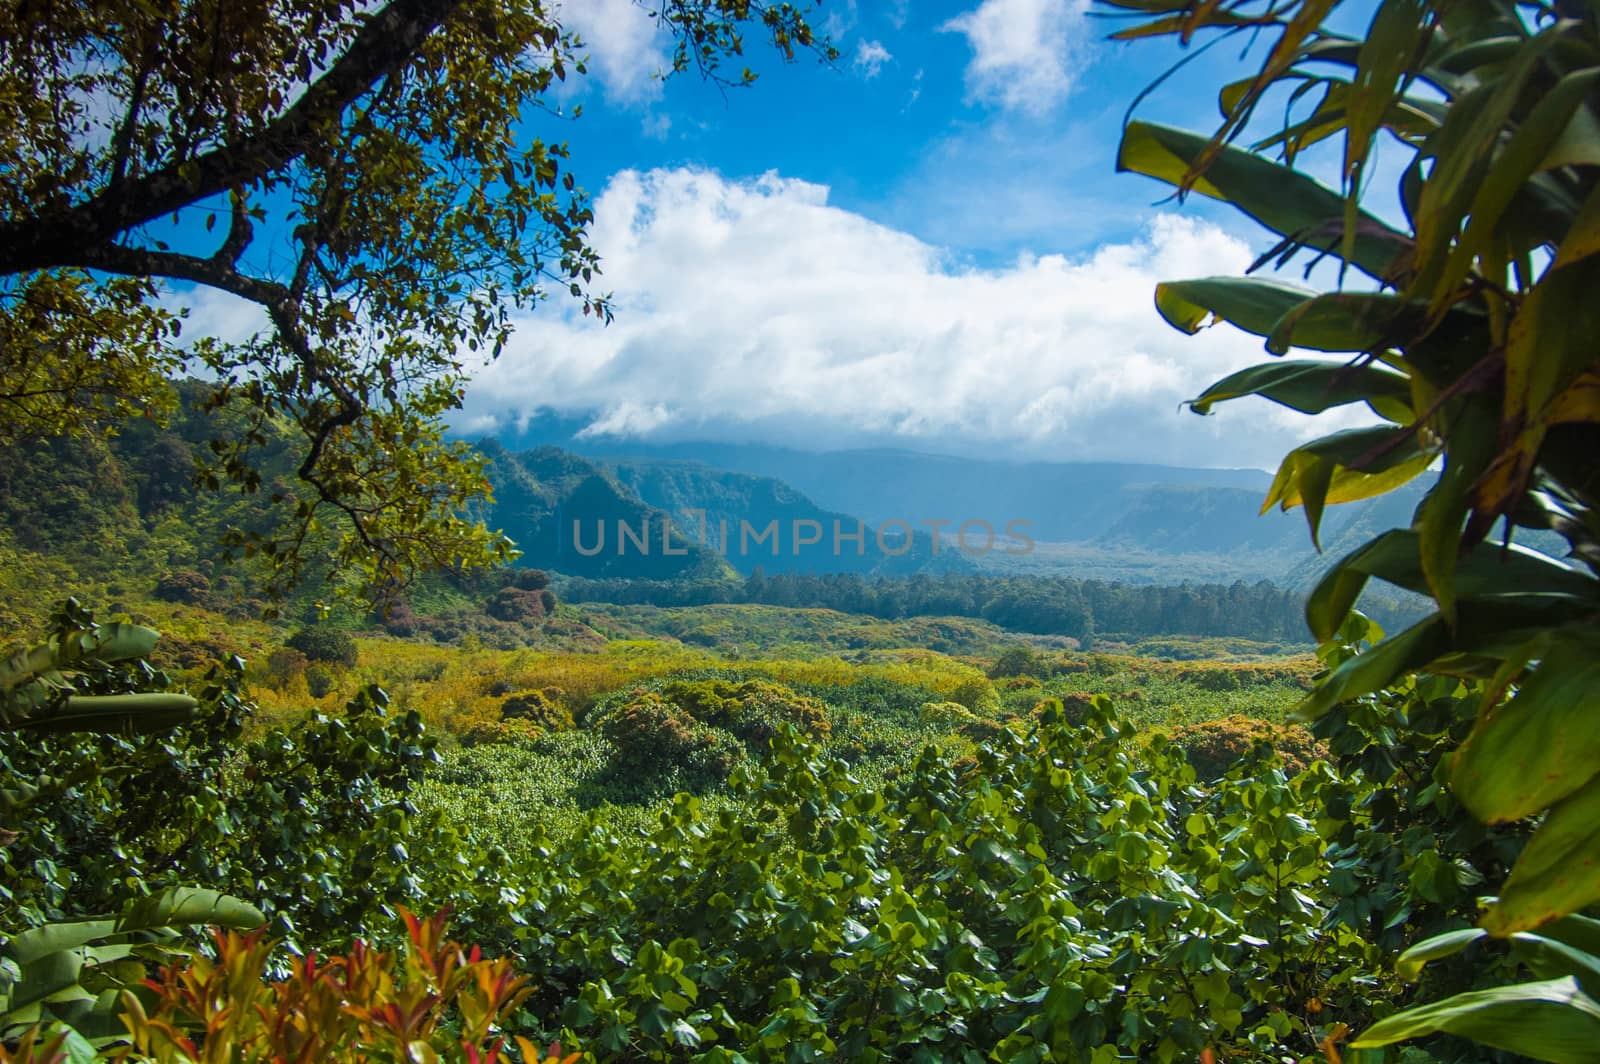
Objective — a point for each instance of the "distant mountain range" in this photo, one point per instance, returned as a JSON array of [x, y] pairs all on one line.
[[662, 519], [1146, 523]]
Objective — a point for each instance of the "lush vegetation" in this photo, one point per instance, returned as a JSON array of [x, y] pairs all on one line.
[[707, 845]]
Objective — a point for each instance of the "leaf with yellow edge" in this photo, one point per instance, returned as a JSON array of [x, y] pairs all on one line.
[[1558, 871], [1322, 472]]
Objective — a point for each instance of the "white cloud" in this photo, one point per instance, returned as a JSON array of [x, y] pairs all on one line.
[[218, 315], [755, 310], [657, 126], [870, 57], [1023, 51], [626, 53]]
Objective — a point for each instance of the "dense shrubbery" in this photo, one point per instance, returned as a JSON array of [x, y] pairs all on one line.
[[753, 710], [1215, 746], [652, 739], [435, 1002], [1070, 888], [323, 643]]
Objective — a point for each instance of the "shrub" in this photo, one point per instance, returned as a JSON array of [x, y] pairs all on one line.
[[438, 1002], [651, 737], [542, 708], [1018, 661], [977, 695], [332, 645], [527, 579], [753, 710], [517, 606], [183, 585], [956, 718], [1215, 746], [320, 680], [284, 666]]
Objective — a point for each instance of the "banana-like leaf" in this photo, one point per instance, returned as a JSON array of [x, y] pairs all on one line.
[[43, 978], [1558, 872], [1284, 200], [135, 713], [1254, 304], [118, 641], [1409, 964], [1485, 632], [1395, 557], [1552, 1020], [1525, 153], [1344, 321], [31, 945], [1533, 751], [1326, 471], [1308, 386], [177, 906], [1550, 958]]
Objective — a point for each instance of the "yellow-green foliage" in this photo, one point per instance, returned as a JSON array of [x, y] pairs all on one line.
[[1215, 746], [754, 710], [652, 737]]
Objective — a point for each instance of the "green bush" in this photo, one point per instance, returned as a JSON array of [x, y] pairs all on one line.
[[1019, 661], [1215, 746], [653, 738], [753, 710], [321, 643], [541, 708]]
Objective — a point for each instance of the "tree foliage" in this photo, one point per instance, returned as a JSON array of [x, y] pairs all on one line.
[[379, 180], [1471, 338]]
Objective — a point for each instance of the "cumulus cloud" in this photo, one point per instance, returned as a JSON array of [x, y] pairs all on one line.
[[624, 48], [1023, 51], [756, 310], [870, 57]]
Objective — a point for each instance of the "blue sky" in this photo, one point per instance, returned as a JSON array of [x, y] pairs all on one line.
[[923, 245]]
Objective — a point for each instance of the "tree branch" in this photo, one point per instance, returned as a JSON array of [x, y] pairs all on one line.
[[382, 45]]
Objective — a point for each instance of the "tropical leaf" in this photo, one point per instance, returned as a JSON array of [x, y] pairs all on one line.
[[1552, 1020], [1311, 386], [1282, 199]]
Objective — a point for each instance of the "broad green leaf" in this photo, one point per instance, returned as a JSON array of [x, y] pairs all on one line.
[[1443, 511], [1325, 471], [1579, 932], [1558, 872], [1409, 964], [50, 974], [118, 641], [1308, 386], [1253, 304], [1542, 745], [1523, 154], [1462, 151], [1284, 200], [1550, 958], [178, 906], [28, 946], [1395, 557], [1378, 667], [1343, 321], [1388, 52], [1552, 1020], [137, 713]]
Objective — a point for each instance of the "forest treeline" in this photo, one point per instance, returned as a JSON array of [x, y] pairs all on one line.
[[1047, 605]]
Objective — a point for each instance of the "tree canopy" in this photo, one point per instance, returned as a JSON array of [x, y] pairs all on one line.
[[378, 179]]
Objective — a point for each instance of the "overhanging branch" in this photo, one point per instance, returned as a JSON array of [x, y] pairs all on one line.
[[62, 237]]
